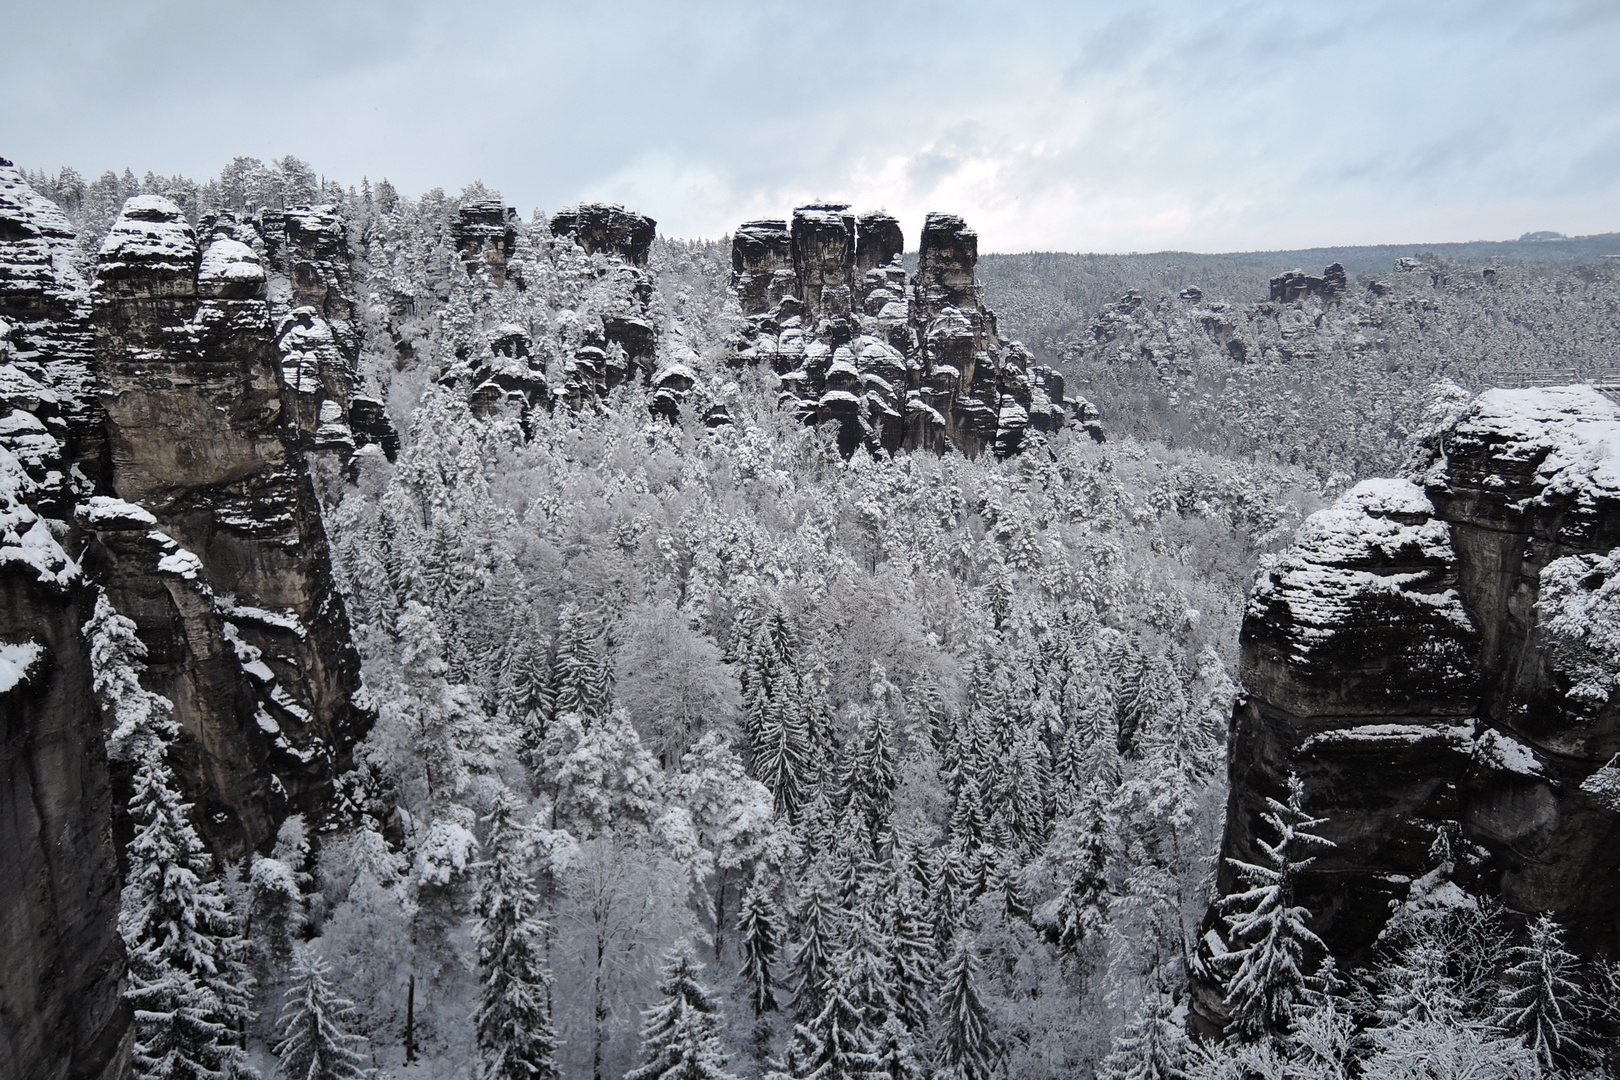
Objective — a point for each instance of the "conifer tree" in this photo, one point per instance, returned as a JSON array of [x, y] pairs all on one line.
[[965, 1044], [1543, 1002], [761, 941], [314, 1042], [782, 758], [1269, 928], [186, 977], [869, 778], [582, 673], [1153, 1046], [897, 1054], [915, 954], [812, 957], [680, 1036], [515, 1037], [1083, 905], [836, 1043], [866, 966]]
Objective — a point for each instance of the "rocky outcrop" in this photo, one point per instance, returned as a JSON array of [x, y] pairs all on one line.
[[1435, 658], [607, 229], [1296, 284], [896, 364], [604, 339], [310, 293], [208, 534], [151, 446], [486, 234]]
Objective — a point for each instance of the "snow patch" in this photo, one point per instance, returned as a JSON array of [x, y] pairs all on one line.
[[105, 511], [182, 563], [19, 663]]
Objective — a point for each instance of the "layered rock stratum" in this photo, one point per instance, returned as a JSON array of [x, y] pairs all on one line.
[[1435, 658]]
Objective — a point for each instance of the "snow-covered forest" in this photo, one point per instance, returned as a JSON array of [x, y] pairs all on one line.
[[705, 751]]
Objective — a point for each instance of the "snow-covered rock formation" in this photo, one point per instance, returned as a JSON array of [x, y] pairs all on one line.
[[896, 364], [1435, 657], [150, 446]]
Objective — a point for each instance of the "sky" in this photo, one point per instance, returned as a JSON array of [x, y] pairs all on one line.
[[1056, 126]]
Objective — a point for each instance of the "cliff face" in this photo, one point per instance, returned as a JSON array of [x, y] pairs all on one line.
[[1435, 657], [60, 956], [149, 444], [222, 559], [896, 364]]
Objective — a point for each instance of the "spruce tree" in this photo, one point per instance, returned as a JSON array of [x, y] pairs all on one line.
[[836, 1043], [680, 1036], [515, 1037], [812, 957], [313, 1039], [1269, 928], [187, 979], [761, 941], [965, 1044], [1153, 1046], [782, 758], [1083, 905], [1543, 1001]]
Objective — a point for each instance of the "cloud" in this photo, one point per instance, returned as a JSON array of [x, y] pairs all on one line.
[[1098, 126]]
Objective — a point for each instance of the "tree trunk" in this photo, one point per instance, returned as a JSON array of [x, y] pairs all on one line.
[[410, 1020]]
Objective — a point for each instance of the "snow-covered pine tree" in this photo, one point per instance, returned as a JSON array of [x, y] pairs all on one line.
[[761, 941], [782, 758], [187, 979], [582, 673], [1153, 1046], [313, 1040], [897, 1053], [866, 966], [812, 956], [964, 1042], [836, 1043], [139, 722], [526, 701], [680, 1036], [1544, 1002], [1082, 908], [1268, 929], [915, 954], [869, 776], [516, 1040]]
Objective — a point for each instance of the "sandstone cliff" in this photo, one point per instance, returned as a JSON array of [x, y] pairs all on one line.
[[896, 364], [150, 445], [1435, 658]]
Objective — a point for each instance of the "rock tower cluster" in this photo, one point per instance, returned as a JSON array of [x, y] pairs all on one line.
[[896, 363], [608, 339]]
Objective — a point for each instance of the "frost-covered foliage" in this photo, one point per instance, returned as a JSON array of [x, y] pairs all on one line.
[[838, 721], [1579, 609], [315, 1043], [1338, 385]]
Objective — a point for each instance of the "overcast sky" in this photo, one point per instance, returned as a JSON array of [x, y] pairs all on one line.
[[1082, 126]]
